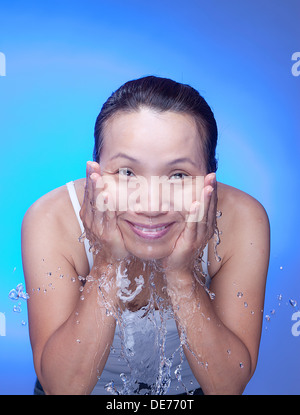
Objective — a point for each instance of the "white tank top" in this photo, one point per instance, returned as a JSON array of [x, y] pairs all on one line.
[[144, 339]]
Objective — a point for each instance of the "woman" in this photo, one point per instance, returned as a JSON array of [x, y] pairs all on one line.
[[149, 252]]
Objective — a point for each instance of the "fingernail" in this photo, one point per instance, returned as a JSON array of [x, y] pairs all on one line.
[[209, 191], [213, 180], [93, 176]]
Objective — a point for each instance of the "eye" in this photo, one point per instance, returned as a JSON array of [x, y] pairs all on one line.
[[178, 176], [125, 172]]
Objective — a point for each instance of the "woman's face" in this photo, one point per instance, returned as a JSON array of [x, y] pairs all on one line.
[[154, 161]]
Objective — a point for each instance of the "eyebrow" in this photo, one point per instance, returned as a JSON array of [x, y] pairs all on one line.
[[182, 160], [123, 155], [171, 163]]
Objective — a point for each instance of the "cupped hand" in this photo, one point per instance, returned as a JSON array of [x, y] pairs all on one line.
[[199, 228], [100, 224]]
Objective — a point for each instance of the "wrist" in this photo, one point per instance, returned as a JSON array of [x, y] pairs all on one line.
[[180, 282]]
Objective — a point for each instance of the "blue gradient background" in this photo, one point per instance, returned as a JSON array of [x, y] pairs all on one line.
[[63, 60]]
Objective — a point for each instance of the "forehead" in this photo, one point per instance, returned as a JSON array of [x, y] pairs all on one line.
[[152, 133]]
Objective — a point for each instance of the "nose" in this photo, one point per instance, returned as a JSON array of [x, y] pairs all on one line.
[[151, 199]]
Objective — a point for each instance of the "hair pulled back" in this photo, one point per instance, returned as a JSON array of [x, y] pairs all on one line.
[[161, 94]]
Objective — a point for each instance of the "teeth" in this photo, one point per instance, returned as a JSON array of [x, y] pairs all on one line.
[[150, 230]]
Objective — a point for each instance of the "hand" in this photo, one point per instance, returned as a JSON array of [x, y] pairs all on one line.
[[195, 234], [101, 226]]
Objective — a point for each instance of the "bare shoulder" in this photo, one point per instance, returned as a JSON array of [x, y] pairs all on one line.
[[50, 208], [244, 223], [51, 221], [237, 203], [55, 207]]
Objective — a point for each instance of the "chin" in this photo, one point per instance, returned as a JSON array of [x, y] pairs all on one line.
[[149, 252]]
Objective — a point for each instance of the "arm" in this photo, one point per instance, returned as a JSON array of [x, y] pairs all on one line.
[[70, 331], [70, 338], [223, 334]]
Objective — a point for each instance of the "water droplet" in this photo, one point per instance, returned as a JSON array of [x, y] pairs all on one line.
[[23, 323], [82, 297], [241, 365], [82, 237], [17, 293], [78, 341], [281, 268], [240, 294], [13, 295], [24, 296], [217, 242], [17, 309], [110, 387], [293, 302], [279, 297], [20, 287], [177, 373], [245, 304], [267, 317], [73, 279], [123, 377], [228, 351], [211, 295], [218, 214]]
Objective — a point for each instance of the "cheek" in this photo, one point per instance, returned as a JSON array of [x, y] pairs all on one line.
[[185, 193]]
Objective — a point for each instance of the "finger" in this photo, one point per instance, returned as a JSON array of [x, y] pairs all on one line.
[[201, 216], [92, 167], [190, 230], [88, 184], [110, 216], [97, 204], [85, 212], [208, 193], [212, 208]]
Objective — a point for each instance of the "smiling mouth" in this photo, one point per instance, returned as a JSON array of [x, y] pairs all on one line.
[[150, 231]]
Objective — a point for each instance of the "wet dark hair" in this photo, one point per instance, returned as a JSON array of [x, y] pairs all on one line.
[[161, 94]]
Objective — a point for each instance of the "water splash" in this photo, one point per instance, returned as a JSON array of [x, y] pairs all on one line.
[[18, 293], [143, 346], [217, 239], [82, 237]]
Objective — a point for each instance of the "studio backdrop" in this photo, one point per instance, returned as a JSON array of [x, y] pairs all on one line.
[[60, 60]]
